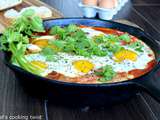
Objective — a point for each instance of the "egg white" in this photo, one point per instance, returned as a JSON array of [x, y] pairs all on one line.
[[91, 32]]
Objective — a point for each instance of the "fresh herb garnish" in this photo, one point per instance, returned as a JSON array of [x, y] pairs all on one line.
[[28, 23], [113, 47], [107, 73], [16, 37], [112, 38], [72, 39], [58, 45], [137, 46], [48, 53], [99, 39], [125, 37]]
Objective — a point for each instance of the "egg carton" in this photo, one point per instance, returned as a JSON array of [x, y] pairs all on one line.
[[106, 14]]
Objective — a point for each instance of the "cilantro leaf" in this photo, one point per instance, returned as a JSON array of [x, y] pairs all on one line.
[[57, 30], [58, 44], [49, 53], [113, 47], [112, 38], [71, 28], [125, 37], [107, 73], [137, 46], [99, 39]]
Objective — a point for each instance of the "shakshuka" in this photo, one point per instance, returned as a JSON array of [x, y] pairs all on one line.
[[89, 55]]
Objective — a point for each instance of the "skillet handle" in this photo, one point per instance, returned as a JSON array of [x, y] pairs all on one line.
[[151, 83]]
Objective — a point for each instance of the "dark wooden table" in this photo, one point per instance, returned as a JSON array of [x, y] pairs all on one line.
[[16, 102]]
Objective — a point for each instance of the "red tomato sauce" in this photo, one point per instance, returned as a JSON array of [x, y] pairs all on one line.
[[137, 72]]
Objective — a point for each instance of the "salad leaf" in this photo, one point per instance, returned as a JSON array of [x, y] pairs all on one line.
[[28, 23], [16, 37]]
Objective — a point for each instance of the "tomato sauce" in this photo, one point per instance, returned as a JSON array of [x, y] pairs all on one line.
[[137, 72]]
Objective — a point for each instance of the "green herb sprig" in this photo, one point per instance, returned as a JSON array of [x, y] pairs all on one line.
[[72, 39], [107, 73], [16, 37]]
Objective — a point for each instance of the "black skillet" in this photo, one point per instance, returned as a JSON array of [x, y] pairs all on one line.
[[93, 94]]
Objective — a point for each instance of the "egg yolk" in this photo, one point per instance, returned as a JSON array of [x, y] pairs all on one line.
[[40, 43], [83, 66], [125, 55], [39, 64]]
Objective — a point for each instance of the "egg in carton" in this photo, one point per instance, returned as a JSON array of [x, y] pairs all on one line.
[[106, 8]]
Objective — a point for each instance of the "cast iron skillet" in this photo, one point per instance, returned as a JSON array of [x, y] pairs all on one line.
[[93, 94]]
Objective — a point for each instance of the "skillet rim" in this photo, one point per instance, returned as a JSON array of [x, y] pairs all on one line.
[[53, 81]]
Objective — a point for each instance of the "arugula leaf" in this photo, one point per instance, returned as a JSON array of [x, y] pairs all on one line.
[[107, 73]]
